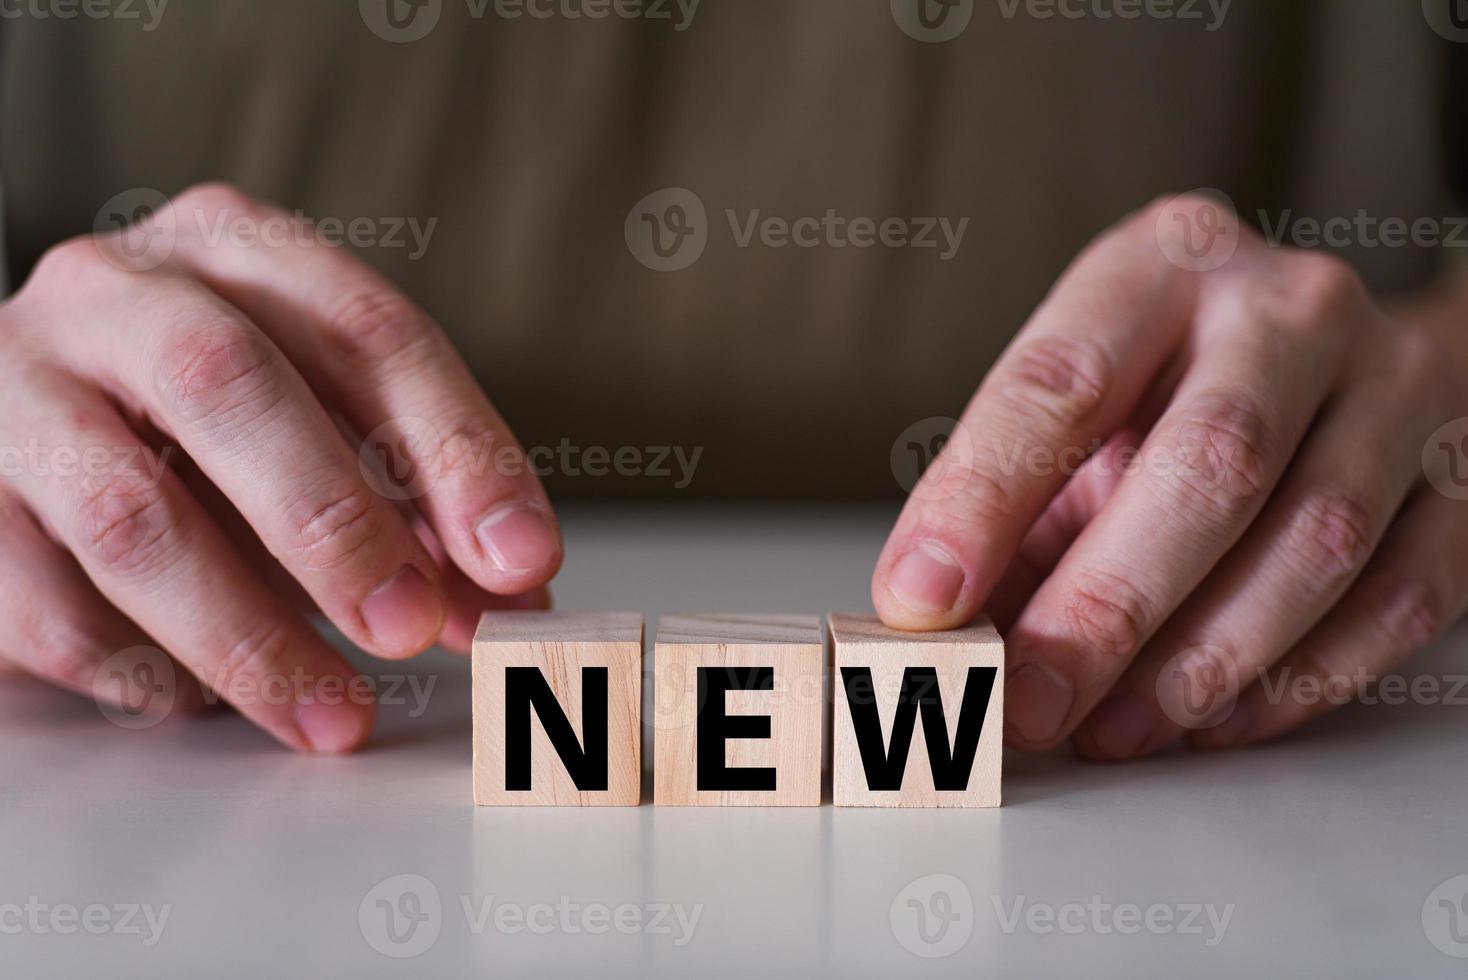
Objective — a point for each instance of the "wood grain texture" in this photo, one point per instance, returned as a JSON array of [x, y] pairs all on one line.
[[859, 641], [564, 627], [857, 628], [792, 628], [793, 646], [559, 644]]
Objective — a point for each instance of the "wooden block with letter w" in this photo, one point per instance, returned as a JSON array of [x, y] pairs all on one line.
[[889, 685], [558, 709]]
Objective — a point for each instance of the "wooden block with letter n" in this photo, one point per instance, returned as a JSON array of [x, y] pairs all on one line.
[[887, 685], [558, 709], [738, 711]]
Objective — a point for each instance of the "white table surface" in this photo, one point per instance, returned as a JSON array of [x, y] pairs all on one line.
[[1330, 848]]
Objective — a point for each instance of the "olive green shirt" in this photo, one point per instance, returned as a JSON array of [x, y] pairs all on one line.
[[880, 210]]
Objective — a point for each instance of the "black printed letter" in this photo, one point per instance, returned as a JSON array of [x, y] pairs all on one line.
[[526, 687], [884, 768], [715, 727]]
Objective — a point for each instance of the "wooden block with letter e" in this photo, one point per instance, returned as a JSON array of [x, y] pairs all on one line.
[[737, 709], [558, 709], [887, 686]]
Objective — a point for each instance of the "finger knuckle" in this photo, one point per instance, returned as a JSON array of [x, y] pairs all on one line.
[[377, 325], [125, 526], [1212, 658], [1224, 446], [1063, 380], [27, 377], [1161, 209], [219, 198], [462, 444], [65, 651], [334, 534], [1331, 536], [262, 653], [977, 499], [466, 449], [64, 263], [217, 373], [1167, 209], [1409, 615], [1187, 201], [1109, 614], [1420, 362], [1323, 292], [1287, 685]]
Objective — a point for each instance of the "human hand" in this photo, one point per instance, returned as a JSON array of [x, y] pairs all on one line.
[[1196, 477], [255, 363]]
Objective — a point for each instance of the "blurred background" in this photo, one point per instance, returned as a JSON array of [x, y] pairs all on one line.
[[509, 162]]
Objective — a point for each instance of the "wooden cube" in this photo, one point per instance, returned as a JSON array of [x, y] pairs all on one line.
[[888, 686], [558, 709], [738, 711]]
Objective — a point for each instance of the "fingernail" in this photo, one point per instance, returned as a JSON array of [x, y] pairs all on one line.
[[405, 613], [927, 579], [518, 538], [1231, 731], [1036, 702], [332, 728], [1122, 726]]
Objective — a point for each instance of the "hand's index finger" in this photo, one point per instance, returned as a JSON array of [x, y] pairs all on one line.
[[430, 430], [1070, 378]]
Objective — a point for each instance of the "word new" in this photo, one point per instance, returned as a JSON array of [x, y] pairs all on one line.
[[738, 712]]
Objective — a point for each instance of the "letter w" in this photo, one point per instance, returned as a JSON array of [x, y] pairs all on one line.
[[885, 767]]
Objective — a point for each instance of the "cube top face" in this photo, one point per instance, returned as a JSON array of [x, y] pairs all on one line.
[[558, 709], [738, 711], [740, 628], [518, 626], [888, 686], [867, 628]]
